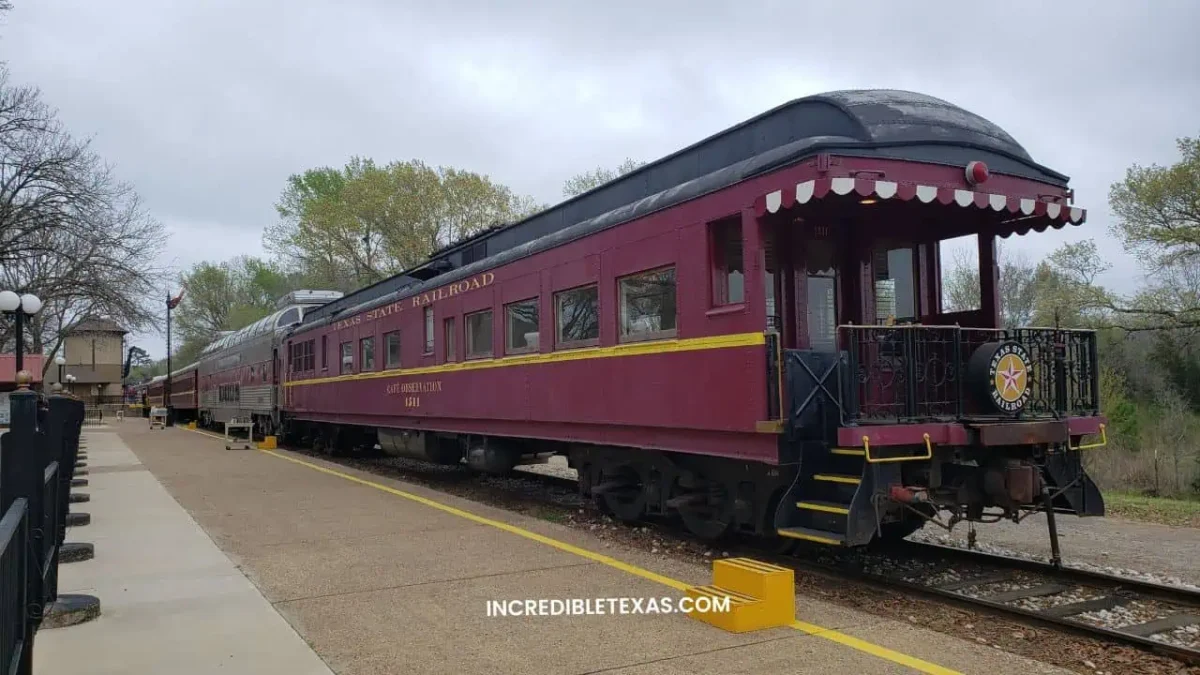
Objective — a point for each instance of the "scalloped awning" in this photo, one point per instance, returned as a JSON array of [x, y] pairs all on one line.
[[1028, 214]]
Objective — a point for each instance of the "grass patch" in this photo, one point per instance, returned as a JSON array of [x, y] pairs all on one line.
[[1136, 506]]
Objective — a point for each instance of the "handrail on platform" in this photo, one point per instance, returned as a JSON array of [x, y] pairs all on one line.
[[905, 458]]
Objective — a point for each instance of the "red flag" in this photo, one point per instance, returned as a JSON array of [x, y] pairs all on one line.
[[174, 302]]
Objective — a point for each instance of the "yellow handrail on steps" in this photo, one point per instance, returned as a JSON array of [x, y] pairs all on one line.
[[881, 460]]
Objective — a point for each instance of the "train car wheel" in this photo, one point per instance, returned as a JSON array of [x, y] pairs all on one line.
[[706, 511], [621, 492]]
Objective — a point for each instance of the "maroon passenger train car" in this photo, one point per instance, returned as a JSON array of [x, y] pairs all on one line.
[[183, 392], [748, 333]]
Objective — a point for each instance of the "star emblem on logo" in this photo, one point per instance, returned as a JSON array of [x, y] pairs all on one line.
[[1010, 376]]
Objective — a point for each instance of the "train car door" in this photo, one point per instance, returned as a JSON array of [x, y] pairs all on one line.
[[806, 285], [276, 399]]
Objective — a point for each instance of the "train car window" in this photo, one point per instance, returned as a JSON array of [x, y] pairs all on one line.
[[521, 326], [479, 334], [577, 316], [310, 359], [451, 356], [647, 302], [366, 357], [770, 275], [821, 288], [391, 345], [428, 330], [324, 352], [347, 357], [895, 290], [728, 263], [289, 317]]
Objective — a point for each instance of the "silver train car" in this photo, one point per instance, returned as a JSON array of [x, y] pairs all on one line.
[[238, 375]]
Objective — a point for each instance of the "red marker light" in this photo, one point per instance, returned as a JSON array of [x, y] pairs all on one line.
[[977, 172]]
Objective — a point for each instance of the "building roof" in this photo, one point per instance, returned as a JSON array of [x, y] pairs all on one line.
[[99, 326], [34, 363]]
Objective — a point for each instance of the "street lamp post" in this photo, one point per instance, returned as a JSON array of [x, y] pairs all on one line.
[[20, 306], [61, 362], [172, 303], [70, 383]]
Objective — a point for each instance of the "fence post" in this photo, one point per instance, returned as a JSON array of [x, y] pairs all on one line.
[[74, 411], [69, 608], [18, 469]]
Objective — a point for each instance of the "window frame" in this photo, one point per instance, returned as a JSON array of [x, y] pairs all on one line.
[[430, 330], [387, 350], [559, 342], [347, 367], [718, 266], [450, 338], [669, 334], [491, 346], [363, 343], [528, 349], [324, 352]]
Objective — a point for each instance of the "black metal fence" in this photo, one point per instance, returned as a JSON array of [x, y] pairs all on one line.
[[37, 455], [914, 373]]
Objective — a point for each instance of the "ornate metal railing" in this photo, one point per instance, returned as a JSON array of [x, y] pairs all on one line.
[[920, 373]]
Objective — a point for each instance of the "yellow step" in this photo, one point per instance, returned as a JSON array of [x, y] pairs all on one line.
[[816, 536], [824, 507], [268, 443], [851, 452], [836, 478], [746, 595]]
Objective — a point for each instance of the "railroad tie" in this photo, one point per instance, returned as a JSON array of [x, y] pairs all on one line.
[[1031, 592], [1074, 608], [1159, 625]]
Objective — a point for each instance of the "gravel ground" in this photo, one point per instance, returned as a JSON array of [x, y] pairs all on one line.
[[1109, 545], [1187, 636]]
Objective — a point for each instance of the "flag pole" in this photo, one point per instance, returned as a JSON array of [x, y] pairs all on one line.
[[167, 382]]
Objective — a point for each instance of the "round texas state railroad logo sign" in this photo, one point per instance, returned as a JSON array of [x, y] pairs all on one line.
[[1009, 372]]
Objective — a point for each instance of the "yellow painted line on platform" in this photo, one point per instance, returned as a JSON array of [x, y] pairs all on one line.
[[808, 628]]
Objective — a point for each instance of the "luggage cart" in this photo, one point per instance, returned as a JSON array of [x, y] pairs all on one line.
[[158, 418], [246, 443]]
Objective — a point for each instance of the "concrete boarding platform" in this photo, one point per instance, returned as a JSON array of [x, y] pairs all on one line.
[[171, 601], [379, 576]]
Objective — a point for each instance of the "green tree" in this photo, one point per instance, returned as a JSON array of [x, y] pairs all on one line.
[[590, 180], [226, 296], [347, 228], [1066, 292], [1158, 220], [1121, 411], [1029, 294]]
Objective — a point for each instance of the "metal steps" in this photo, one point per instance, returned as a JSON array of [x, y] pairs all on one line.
[[824, 497]]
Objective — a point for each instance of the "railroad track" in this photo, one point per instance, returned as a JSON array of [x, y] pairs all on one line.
[[1153, 617]]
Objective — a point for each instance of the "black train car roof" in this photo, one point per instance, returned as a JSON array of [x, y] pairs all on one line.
[[874, 122]]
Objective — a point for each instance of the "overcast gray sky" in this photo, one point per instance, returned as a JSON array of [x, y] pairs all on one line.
[[207, 107]]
